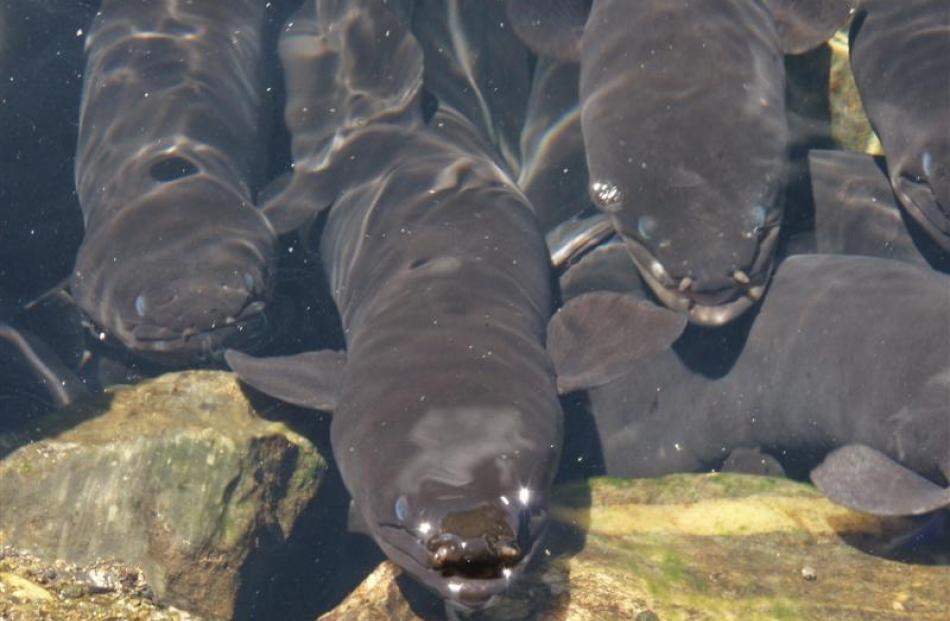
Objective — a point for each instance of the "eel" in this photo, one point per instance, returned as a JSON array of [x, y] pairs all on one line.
[[29, 355], [446, 423], [476, 64], [900, 57], [856, 211], [848, 358], [176, 262], [30, 369], [683, 118]]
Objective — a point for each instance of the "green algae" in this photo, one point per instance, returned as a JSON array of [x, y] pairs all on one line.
[[603, 561], [676, 488], [180, 472]]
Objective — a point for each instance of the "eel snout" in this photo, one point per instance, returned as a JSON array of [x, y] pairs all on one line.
[[479, 543]]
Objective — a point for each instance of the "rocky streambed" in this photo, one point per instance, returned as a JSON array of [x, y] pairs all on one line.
[[179, 498]]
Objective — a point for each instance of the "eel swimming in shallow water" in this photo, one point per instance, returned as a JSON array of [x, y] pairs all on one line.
[[850, 353], [900, 57], [446, 424], [683, 118], [176, 261]]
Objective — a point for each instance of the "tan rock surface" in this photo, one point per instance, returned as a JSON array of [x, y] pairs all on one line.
[[719, 546], [177, 475], [850, 127], [32, 589]]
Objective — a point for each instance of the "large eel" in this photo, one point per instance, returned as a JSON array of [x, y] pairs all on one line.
[[900, 56], [177, 261], [848, 357], [446, 424], [683, 118]]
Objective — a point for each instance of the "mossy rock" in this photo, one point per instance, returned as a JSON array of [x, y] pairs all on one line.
[[850, 127], [177, 475], [704, 546]]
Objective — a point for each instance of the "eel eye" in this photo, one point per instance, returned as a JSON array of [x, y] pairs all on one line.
[[140, 305], [402, 509]]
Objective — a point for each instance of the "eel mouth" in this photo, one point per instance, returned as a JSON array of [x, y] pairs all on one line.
[[169, 345], [920, 201], [466, 584], [705, 306], [468, 570]]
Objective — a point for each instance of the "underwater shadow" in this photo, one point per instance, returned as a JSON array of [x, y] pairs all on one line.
[[922, 540], [34, 429], [809, 119], [713, 351], [321, 562]]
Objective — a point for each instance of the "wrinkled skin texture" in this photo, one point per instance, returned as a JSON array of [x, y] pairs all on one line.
[[685, 132], [470, 398], [447, 427], [176, 262]]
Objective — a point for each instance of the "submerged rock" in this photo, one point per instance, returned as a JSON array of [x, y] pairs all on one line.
[[178, 476], [31, 588], [711, 546], [850, 127]]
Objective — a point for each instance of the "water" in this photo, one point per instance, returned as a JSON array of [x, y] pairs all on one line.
[[696, 169]]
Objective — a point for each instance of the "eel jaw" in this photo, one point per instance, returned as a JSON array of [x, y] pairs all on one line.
[[680, 296]]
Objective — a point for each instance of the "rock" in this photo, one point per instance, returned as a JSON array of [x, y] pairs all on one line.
[[850, 127], [709, 546], [31, 588], [177, 475]]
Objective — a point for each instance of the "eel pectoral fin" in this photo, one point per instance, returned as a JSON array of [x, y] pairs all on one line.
[[867, 480], [309, 380], [595, 337], [292, 201]]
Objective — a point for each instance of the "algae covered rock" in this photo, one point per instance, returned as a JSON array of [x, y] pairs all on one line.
[[850, 127], [178, 476], [708, 546]]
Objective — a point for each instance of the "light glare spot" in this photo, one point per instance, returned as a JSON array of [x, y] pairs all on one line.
[[607, 194], [140, 305], [524, 495], [927, 160]]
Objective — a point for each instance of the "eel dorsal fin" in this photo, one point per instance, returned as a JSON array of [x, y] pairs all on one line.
[[595, 337], [309, 380], [550, 28], [867, 480]]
